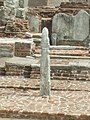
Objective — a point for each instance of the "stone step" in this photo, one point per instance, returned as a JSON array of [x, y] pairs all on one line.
[[64, 72], [6, 50], [67, 69], [68, 47], [69, 78], [66, 50], [76, 77], [63, 56], [16, 65]]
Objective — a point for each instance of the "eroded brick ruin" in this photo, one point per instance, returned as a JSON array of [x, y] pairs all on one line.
[[68, 22], [18, 19]]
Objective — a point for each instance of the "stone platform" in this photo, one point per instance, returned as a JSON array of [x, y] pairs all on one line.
[[19, 98], [62, 67]]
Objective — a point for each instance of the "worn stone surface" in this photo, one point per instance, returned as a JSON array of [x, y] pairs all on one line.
[[20, 13], [56, 2], [19, 98], [69, 50], [35, 3], [6, 50], [2, 15], [70, 27], [45, 84], [66, 50], [34, 23], [11, 8], [81, 23], [23, 49]]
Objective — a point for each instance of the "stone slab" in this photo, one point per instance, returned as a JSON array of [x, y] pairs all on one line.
[[13, 40], [34, 23], [35, 3], [68, 27], [21, 61]]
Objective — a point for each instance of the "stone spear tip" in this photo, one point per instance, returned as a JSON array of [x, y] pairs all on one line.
[[44, 32]]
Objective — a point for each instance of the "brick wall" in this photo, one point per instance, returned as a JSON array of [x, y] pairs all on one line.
[[14, 70], [16, 27], [22, 49], [62, 72], [59, 72]]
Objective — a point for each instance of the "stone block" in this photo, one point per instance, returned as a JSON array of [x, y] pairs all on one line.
[[10, 8], [34, 23], [21, 3], [10, 13], [2, 12], [22, 49], [68, 27], [56, 2], [20, 13], [35, 3], [6, 50], [15, 8]]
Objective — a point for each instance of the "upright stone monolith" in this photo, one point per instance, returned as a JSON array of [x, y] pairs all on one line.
[[45, 65]]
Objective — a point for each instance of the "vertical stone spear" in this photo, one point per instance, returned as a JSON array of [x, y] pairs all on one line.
[[45, 84]]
